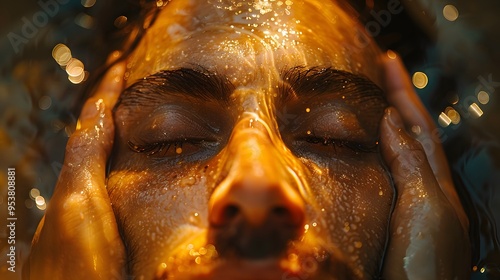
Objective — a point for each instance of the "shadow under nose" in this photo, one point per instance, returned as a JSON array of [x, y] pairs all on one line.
[[237, 237]]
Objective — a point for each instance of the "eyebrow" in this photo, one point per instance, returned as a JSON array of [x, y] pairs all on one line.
[[186, 82], [363, 96], [299, 81], [296, 82]]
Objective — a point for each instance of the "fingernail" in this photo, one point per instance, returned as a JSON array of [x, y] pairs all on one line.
[[394, 118], [392, 55]]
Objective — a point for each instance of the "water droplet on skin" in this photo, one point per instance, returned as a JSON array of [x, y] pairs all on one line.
[[195, 218], [178, 150], [188, 182], [399, 230]]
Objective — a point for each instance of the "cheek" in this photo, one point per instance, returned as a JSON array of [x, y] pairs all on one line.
[[157, 208], [354, 203]]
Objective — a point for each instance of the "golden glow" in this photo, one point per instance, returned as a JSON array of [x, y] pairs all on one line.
[[444, 120], [483, 97], [450, 12], [420, 80], [475, 110]]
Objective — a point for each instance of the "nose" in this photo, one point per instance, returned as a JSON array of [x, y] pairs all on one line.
[[255, 211]]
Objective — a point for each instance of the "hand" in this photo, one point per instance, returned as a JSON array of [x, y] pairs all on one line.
[[429, 228], [78, 236]]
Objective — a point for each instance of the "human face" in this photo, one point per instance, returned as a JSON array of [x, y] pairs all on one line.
[[246, 145]]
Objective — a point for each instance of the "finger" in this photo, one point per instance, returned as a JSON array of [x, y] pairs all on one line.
[[401, 94], [79, 236], [427, 240]]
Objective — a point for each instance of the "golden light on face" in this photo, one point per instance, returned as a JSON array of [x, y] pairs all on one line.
[[262, 119]]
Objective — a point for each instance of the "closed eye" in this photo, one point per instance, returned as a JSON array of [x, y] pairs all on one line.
[[172, 148], [338, 143]]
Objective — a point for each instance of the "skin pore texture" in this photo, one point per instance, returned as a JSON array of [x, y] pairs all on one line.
[[252, 140]]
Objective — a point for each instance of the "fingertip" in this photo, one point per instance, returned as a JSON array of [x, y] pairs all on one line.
[[391, 54], [398, 148], [393, 118]]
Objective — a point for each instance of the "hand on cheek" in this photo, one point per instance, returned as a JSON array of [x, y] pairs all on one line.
[[428, 231], [426, 238], [78, 237]]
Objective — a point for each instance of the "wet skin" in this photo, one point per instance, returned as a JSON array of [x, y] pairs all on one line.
[[246, 152], [260, 144]]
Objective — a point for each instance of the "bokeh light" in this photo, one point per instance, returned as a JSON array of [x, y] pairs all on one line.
[[61, 54], [88, 3], [453, 115], [483, 97], [74, 68], [444, 120], [420, 80], [84, 21], [475, 110], [34, 193], [120, 21], [450, 12], [45, 102], [40, 202]]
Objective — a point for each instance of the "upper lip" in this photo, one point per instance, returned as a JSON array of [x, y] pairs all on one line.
[[306, 265]]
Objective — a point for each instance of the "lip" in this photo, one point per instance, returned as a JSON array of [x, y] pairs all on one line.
[[307, 258], [291, 267]]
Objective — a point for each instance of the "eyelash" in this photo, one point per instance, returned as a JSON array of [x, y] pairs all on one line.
[[355, 146], [155, 147]]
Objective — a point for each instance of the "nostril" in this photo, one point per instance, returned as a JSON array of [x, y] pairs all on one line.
[[281, 212], [230, 212], [285, 216]]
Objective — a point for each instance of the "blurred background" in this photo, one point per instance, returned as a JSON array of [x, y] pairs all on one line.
[[51, 52]]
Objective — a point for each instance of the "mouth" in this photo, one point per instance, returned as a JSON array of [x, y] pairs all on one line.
[[302, 260]]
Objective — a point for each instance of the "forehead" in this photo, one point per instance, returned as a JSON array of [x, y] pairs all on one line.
[[250, 41]]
